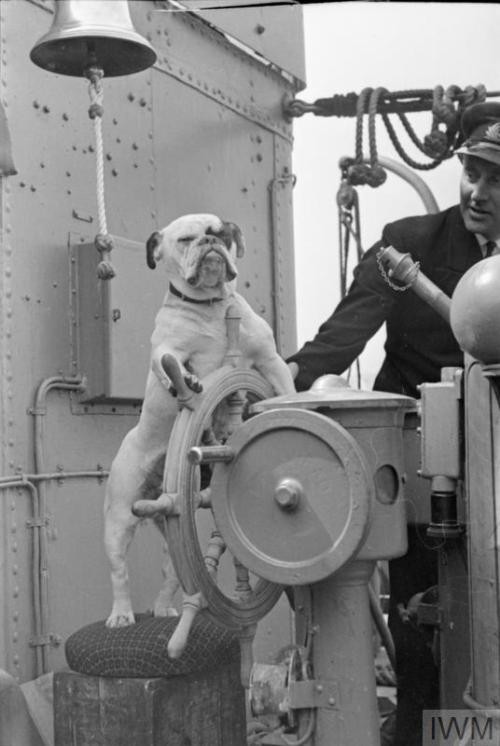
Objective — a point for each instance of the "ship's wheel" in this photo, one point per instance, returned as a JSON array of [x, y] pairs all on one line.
[[194, 541]]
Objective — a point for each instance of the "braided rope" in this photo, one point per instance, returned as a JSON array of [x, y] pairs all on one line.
[[372, 112], [411, 133], [360, 109], [400, 150], [103, 241], [359, 172], [447, 106]]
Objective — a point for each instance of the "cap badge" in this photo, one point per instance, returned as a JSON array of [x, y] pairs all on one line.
[[493, 132]]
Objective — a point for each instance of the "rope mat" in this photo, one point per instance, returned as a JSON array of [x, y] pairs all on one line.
[[140, 650]]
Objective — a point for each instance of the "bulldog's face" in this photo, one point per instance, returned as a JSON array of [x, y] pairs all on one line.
[[199, 248]]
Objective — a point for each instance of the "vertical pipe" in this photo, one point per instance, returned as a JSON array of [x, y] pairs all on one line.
[[275, 255], [343, 656], [23, 483], [39, 411]]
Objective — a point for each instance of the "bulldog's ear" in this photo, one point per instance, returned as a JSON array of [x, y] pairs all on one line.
[[237, 237], [151, 245]]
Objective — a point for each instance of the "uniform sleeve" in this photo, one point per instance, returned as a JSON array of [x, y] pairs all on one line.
[[343, 336]]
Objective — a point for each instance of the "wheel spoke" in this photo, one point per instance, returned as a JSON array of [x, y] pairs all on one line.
[[220, 411], [215, 550], [243, 589]]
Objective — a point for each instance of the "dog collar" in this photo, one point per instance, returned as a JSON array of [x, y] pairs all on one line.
[[204, 301]]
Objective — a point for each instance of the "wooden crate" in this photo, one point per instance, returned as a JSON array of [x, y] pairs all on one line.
[[202, 709]]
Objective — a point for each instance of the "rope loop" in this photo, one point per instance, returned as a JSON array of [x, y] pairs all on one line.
[[360, 110], [358, 172], [443, 107], [446, 104]]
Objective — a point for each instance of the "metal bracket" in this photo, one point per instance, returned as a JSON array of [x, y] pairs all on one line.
[[315, 693]]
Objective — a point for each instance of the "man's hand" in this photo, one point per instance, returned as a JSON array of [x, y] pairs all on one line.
[[294, 369]]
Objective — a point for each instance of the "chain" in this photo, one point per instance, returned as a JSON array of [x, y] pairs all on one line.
[[387, 279]]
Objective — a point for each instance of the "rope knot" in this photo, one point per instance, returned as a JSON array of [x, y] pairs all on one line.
[[96, 110], [363, 173], [105, 271], [436, 144], [443, 105], [103, 243]]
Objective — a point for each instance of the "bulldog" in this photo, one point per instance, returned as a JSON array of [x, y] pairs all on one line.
[[198, 253]]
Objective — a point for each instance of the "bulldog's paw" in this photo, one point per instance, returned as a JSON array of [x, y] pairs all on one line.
[[119, 619], [193, 383]]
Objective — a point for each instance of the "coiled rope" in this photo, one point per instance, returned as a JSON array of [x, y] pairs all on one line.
[[439, 144], [103, 241]]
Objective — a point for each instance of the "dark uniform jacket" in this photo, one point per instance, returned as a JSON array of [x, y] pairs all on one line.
[[419, 342]]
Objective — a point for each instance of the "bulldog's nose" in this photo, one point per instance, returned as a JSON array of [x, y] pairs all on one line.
[[209, 241]]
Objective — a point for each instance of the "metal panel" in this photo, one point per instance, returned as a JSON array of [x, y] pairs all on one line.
[[115, 319], [275, 32], [202, 130]]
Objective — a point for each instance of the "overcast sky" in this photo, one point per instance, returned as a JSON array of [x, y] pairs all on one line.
[[350, 46]]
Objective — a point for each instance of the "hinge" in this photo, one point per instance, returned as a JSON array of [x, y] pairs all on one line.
[[37, 522], [44, 640]]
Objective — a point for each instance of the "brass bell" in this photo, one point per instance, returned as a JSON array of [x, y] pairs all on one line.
[[92, 34]]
